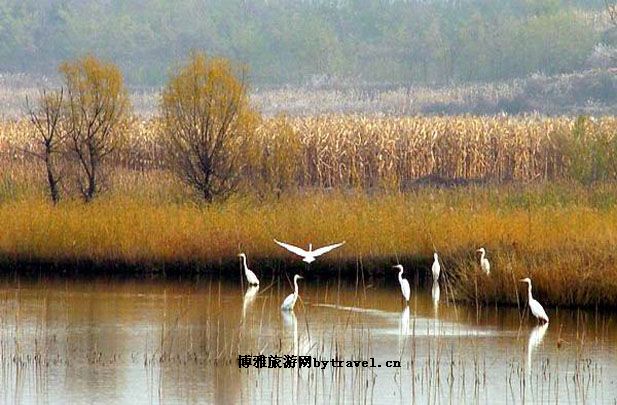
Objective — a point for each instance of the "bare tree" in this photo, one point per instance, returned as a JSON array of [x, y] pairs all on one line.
[[207, 123], [96, 106], [46, 118]]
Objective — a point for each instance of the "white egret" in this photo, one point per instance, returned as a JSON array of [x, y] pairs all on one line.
[[534, 305], [436, 268], [404, 283], [250, 276], [310, 255], [290, 301], [484, 263]]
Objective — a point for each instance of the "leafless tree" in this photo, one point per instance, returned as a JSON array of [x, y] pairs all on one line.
[[46, 117]]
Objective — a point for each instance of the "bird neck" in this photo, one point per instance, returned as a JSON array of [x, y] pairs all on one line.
[[400, 275], [244, 263], [482, 255], [530, 297], [295, 286]]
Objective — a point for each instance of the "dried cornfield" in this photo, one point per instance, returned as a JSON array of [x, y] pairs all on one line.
[[348, 151]]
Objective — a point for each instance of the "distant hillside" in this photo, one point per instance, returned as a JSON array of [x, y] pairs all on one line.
[[419, 42]]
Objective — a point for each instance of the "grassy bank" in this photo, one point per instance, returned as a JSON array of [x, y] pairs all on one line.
[[562, 237]]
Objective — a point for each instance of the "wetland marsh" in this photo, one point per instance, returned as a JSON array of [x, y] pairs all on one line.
[[137, 341]]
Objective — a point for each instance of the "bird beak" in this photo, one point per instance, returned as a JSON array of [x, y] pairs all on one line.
[[522, 281], [300, 277]]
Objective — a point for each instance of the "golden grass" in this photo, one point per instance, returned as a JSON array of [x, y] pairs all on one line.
[[565, 246], [562, 236]]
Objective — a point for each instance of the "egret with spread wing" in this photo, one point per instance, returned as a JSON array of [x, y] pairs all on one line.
[[310, 255]]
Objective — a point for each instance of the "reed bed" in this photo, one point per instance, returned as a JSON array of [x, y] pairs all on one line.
[[563, 244], [337, 151], [355, 178]]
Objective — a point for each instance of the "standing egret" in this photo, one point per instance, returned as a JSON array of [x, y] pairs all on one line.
[[534, 306], [310, 255], [436, 268], [404, 283], [250, 276], [290, 301], [484, 263]]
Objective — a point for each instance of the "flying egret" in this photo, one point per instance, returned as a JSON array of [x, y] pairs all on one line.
[[250, 276], [310, 255], [290, 301], [534, 306], [404, 283], [436, 268], [484, 263]]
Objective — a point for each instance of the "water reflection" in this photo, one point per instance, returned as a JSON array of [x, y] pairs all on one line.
[[404, 322], [168, 342], [535, 339], [435, 294], [290, 325], [249, 298]]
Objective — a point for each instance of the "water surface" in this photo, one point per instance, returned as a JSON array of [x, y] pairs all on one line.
[[145, 341]]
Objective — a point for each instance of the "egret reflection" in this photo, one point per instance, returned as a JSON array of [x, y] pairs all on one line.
[[249, 298], [535, 339]]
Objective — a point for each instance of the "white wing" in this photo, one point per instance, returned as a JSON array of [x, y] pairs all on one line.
[[436, 270], [251, 277], [325, 249], [537, 310], [486, 266], [293, 249], [405, 289], [289, 302]]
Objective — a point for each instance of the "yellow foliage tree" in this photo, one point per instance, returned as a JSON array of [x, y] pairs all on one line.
[[207, 124], [97, 105]]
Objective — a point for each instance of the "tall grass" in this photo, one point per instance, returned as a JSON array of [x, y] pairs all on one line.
[[564, 245], [387, 153], [359, 179]]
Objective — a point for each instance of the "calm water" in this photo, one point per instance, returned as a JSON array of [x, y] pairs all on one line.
[[164, 342]]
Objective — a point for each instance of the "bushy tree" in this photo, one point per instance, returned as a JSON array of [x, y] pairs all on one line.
[[207, 121], [96, 106]]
